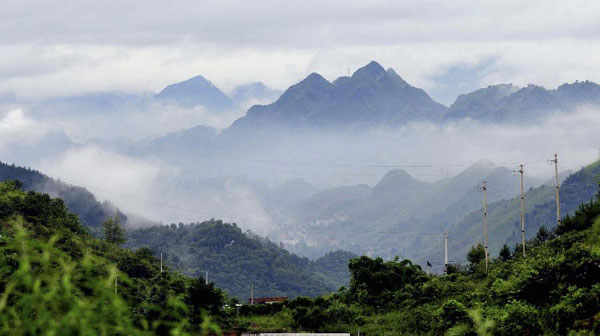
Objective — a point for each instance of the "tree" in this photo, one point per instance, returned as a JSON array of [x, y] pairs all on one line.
[[476, 254], [113, 232], [504, 253]]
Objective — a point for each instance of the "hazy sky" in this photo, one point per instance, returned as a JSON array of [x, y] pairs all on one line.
[[55, 48]]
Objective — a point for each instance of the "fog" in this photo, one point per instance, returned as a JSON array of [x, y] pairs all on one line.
[[239, 184]]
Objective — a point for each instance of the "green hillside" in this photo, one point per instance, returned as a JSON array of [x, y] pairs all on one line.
[[91, 213], [553, 291], [540, 210], [235, 260], [56, 279]]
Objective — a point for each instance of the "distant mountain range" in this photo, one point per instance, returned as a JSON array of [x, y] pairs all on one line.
[[191, 93], [371, 96], [508, 103], [374, 97], [357, 218], [540, 210]]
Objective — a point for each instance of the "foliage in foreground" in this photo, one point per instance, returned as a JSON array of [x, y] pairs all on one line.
[[56, 279], [555, 290]]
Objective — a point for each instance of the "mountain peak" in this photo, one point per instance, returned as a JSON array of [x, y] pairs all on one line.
[[312, 81], [373, 69], [311, 87], [314, 78], [197, 79], [394, 179], [196, 91]]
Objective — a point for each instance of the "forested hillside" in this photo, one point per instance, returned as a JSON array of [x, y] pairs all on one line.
[[56, 279], [552, 291], [540, 210], [91, 213], [235, 260]]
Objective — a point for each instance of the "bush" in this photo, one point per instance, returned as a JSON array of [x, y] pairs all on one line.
[[519, 319]]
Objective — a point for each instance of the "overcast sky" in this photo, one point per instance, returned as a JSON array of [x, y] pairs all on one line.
[[57, 48]]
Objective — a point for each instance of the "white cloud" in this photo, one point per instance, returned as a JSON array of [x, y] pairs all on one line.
[[16, 127], [97, 167], [63, 48]]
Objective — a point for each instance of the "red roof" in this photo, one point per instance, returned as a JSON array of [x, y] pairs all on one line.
[[269, 299]]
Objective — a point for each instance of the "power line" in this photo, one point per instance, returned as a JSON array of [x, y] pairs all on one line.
[[344, 165]]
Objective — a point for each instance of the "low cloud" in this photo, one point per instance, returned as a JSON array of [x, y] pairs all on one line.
[[195, 188]]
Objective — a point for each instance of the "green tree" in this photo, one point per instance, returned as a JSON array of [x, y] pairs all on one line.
[[519, 319], [504, 253], [113, 232], [476, 254]]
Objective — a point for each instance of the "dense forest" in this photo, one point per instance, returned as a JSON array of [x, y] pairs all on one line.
[[235, 260]]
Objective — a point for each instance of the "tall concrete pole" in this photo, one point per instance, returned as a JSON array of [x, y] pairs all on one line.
[[558, 219], [522, 211], [485, 225], [445, 251]]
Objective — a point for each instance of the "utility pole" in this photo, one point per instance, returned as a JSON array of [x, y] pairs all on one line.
[[445, 251], [522, 211], [161, 263], [252, 293], [485, 225], [206, 277], [558, 220]]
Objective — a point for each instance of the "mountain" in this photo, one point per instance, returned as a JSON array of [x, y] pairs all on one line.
[[190, 140], [508, 103], [254, 93], [328, 203], [579, 93], [372, 96], [286, 200], [381, 220], [92, 103], [540, 210], [35, 146], [471, 105], [334, 266], [79, 200], [553, 290], [235, 260], [196, 91]]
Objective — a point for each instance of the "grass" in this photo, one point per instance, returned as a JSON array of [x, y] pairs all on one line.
[[279, 322]]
